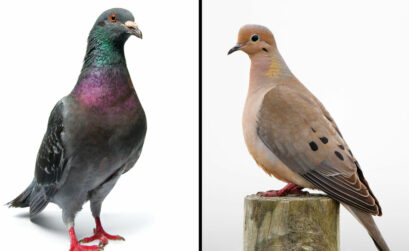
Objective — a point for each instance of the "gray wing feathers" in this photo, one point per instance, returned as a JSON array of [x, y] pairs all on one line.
[[50, 163], [51, 155], [49, 166], [39, 198]]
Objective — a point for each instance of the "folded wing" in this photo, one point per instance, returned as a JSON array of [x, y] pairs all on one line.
[[301, 133]]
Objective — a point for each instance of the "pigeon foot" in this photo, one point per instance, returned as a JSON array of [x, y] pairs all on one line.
[[76, 246], [101, 235], [79, 247], [290, 188]]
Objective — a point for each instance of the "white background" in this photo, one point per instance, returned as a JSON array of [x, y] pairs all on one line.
[[154, 206], [353, 55]]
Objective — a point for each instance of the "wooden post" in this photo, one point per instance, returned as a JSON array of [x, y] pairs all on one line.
[[292, 223]]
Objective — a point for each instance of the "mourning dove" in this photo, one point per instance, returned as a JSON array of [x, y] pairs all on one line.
[[95, 134], [292, 136]]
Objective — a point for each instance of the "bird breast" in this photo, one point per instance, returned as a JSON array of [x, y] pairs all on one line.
[[264, 157]]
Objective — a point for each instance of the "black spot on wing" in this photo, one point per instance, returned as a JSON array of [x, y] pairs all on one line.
[[339, 155], [324, 140], [342, 147], [313, 146]]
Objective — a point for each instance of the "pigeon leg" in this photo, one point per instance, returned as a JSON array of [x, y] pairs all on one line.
[[76, 246], [97, 196], [290, 188], [101, 235]]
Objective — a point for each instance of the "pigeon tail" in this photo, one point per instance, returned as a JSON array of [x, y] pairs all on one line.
[[370, 225], [35, 196], [23, 200]]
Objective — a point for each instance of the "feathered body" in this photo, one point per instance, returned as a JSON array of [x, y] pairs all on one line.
[[95, 134], [293, 137]]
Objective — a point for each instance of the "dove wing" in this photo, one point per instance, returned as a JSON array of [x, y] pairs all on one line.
[[305, 138]]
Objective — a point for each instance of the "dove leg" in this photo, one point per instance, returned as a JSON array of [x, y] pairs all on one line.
[[97, 197], [290, 188]]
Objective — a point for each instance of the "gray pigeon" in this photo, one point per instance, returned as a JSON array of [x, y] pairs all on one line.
[[94, 135]]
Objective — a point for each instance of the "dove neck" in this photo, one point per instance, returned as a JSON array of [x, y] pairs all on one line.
[[267, 69]]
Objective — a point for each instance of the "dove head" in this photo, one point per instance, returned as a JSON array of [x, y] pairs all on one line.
[[116, 25], [254, 39]]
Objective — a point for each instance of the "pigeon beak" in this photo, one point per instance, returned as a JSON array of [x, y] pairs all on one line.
[[133, 29], [235, 48]]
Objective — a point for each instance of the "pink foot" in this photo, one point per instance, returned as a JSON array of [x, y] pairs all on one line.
[[290, 188], [76, 246], [101, 235]]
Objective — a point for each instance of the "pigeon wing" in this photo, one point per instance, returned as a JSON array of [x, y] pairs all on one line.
[[51, 162]]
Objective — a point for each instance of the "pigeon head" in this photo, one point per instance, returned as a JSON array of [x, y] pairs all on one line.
[[108, 36], [116, 25], [253, 39]]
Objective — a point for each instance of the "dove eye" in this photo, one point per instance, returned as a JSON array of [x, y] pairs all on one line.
[[112, 18], [255, 38]]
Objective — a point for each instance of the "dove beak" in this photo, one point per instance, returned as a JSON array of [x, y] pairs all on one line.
[[133, 29], [235, 48]]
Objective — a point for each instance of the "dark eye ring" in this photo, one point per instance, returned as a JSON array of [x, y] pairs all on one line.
[[255, 38]]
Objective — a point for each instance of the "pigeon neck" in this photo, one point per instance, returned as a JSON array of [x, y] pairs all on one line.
[[104, 73], [102, 51]]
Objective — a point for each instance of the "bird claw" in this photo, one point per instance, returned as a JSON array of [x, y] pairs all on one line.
[[76, 246], [270, 193], [101, 235], [276, 193], [290, 189], [103, 238], [79, 247]]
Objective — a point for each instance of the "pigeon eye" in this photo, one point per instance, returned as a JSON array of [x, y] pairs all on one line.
[[255, 38], [112, 18]]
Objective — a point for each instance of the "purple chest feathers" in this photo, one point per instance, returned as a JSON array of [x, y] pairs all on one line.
[[106, 92]]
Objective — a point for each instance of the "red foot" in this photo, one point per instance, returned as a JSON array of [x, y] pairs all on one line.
[[76, 246], [290, 188], [101, 235]]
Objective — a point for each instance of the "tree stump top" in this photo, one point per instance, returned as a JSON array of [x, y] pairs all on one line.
[[306, 197], [307, 222]]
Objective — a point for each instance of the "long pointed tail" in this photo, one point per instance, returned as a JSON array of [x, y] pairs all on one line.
[[23, 200], [370, 225]]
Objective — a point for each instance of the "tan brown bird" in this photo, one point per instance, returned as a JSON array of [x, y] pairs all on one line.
[[292, 136]]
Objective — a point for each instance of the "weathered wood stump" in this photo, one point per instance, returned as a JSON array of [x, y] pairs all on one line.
[[292, 223]]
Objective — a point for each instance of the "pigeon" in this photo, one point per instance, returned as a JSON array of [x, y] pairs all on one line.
[[94, 135], [291, 135]]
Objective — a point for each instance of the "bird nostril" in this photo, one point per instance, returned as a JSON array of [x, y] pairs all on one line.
[[131, 25]]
